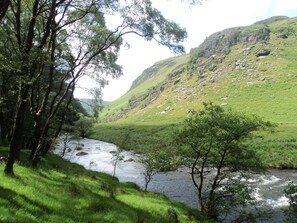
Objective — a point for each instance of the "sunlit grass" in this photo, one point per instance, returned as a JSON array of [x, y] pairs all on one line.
[[59, 191]]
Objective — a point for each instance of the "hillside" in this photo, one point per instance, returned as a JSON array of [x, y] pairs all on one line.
[[230, 67], [60, 191], [250, 69]]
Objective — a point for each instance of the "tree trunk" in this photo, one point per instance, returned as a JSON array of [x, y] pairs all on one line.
[[35, 139], [2, 128], [42, 145], [148, 178], [18, 130]]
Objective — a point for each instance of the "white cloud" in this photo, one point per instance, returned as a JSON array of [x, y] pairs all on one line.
[[200, 22]]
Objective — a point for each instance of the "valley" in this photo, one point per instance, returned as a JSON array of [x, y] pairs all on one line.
[[249, 69]]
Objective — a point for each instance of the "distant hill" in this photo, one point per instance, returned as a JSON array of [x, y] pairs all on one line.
[[89, 103], [252, 69]]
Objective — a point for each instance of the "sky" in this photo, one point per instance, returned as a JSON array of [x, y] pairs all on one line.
[[200, 21]]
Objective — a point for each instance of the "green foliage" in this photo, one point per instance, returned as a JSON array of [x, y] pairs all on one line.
[[43, 56], [215, 141], [291, 193], [155, 161], [60, 191], [193, 57], [151, 24], [84, 126]]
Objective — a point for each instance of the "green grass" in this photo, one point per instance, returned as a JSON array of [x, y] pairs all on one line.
[[59, 191], [277, 149], [139, 138]]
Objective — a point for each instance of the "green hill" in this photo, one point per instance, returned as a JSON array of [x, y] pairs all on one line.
[[60, 191], [250, 69]]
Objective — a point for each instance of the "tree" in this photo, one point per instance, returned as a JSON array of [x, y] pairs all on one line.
[[115, 158], [84, 126], [52, 44], [151, 165], [216, 142], [155, 161], [96, 104], [118, 154]]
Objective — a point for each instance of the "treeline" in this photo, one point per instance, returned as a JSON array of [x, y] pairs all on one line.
[[46, 46]]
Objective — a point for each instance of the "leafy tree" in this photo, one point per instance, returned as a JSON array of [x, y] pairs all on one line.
[[50, 45], [84, 126], [215, 139], [96, 104], [155, 161]]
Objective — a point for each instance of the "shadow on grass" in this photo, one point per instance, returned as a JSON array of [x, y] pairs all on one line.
[[15, 202], [59, 191]]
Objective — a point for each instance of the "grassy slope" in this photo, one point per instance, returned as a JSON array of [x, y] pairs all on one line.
[[116, 106], [59, 191], [264, 86]]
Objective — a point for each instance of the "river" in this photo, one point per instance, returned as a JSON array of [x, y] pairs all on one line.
[[177, 185]]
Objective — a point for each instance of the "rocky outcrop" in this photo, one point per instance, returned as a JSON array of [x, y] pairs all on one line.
[[221, 42], [217, 46]]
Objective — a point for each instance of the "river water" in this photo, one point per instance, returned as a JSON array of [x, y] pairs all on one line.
[[177, 185]]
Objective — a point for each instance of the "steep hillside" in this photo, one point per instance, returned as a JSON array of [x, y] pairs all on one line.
[[252, 69], [146, 90]]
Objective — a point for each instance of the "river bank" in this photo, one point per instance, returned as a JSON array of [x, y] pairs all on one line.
[[60, 191], [177, 185], [277, 149]]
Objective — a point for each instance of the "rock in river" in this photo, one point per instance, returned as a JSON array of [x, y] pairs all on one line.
[[81, 154]]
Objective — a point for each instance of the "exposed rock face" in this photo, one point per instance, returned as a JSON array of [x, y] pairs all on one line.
[[217, 46], [221, 42]]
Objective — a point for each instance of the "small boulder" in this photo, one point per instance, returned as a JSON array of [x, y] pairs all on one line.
[[263, 52], [283, 36], [81, 153]]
